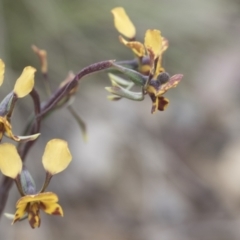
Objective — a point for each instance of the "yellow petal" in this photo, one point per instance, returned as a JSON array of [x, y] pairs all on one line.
[[19, 213], [51, 208], [153, 41], [10, 161], [123, 23], [25, 82], [2, 70], [136, 47], [56, 156]]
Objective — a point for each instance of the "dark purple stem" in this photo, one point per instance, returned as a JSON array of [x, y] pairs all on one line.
[[60, 93]]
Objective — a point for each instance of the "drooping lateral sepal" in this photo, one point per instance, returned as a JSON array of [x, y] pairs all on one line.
[[135, 77], [124, 93], [21, 138], [118, 81]]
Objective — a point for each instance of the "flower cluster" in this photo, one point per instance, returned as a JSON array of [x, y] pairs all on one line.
[[55, 158], [147, 70]]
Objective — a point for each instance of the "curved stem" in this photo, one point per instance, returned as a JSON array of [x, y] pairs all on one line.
[[60, 93]]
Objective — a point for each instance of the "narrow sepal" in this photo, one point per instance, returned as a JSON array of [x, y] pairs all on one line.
[[122, 92], [25, 138], [135, 77], [116, 79]]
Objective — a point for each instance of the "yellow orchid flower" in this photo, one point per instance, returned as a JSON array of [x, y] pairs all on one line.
[[157, 88], [55, 159], [124, 25], [158, 81], [22, 87], [32, 204], [154, 46]]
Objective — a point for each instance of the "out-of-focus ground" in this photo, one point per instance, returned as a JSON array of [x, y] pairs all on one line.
[[174, 175]]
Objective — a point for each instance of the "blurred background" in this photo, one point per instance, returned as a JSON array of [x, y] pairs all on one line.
[[174, 175]]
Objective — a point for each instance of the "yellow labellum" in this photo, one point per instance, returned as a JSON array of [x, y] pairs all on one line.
[[123, 23], [10, 161], [2, 69], [56, 156], [153, 40], [25, 82]]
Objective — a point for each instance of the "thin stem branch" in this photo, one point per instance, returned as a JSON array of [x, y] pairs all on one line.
[[23, 148], [60, 93]]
